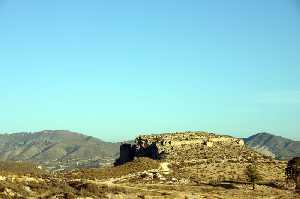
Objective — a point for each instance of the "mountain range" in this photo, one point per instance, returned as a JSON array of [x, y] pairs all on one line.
[[60, 149], [276, 146]]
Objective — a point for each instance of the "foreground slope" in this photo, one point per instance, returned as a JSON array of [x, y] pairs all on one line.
[[142, 178]]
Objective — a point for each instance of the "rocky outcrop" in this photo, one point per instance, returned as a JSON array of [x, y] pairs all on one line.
[[187, 146], [196, 145], [186, 138]]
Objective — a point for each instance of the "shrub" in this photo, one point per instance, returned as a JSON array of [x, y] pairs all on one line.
[[252, 174]]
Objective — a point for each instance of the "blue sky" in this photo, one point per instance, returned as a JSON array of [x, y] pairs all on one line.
[[114, 69]]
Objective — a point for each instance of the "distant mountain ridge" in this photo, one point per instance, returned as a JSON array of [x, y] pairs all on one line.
[[55, 146], [275, 146], [59, 149]]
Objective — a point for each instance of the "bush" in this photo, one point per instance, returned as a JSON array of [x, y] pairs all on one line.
[[252, 174]]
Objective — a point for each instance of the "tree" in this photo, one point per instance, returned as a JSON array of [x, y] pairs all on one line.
[[292, 172], [252, 174]]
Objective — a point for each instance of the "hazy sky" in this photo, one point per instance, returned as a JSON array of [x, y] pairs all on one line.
[[114, 69]]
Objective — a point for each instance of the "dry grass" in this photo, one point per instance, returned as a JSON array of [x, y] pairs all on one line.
[[20, 168], [81, 183], [138, 165]]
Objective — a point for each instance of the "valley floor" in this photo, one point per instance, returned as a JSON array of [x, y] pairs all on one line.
[[25, 187]]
